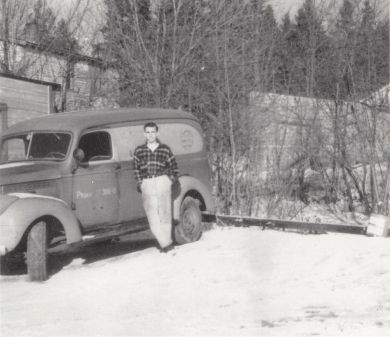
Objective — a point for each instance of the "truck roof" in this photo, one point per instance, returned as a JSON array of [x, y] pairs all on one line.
[[84, 119]]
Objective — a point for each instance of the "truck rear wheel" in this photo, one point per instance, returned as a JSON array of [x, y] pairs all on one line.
[[37, 256], [189, 228]]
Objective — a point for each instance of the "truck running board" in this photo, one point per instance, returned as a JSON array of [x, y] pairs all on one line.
[[96, 237]]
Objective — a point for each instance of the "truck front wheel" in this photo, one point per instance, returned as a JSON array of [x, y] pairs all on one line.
[[37, 256]]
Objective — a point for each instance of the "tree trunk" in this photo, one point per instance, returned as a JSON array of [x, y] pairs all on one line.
[[385, 206], [5, 20]]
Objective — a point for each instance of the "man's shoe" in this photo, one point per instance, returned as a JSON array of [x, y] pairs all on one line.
[[167, 248]]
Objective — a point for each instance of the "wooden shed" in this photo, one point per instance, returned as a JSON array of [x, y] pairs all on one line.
[[22, 98]]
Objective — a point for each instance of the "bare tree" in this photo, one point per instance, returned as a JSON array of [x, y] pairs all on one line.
[[14, 16], [153, 46]]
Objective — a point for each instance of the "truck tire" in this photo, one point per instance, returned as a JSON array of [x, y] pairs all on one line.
[[3, 265], [37, 256], [190, 227]]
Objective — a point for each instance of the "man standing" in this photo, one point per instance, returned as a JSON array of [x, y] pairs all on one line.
[[155, 169]]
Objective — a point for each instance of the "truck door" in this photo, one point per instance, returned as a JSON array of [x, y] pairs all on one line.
[[95, 183], [126, 139]]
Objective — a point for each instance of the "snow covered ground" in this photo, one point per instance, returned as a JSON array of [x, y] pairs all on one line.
[[234, 281]]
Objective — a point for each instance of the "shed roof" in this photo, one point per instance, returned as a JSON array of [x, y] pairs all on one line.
[[75, 121], [54, 85]]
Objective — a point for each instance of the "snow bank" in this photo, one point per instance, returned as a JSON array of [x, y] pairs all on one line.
[[234, 281]]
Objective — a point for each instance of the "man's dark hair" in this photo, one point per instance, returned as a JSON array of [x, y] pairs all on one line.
[[151, 125]]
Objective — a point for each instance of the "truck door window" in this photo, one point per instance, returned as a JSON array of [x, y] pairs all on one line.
[[96, 146]]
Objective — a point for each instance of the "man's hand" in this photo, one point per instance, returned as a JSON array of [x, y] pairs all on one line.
[[139, 188], [175, 181]]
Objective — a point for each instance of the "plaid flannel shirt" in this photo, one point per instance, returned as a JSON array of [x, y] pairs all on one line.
[[159, 162]]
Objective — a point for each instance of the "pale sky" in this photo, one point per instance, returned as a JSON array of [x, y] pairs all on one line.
[[93, 18], [282, 6]]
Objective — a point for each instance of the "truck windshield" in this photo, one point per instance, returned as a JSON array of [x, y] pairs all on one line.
[[35, 146]]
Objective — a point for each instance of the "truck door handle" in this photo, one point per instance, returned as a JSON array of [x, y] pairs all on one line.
[[117, 166]]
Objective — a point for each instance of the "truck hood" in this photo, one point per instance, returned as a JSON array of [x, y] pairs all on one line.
[[21, 172]]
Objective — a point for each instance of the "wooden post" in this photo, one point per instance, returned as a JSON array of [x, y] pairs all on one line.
[[3, 116], [50, 100]]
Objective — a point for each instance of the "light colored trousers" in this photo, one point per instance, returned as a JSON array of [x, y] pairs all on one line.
[[157, 200]]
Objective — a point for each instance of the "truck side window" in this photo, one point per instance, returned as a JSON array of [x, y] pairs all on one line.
[[182, 138], [14, 148], [96, 146]]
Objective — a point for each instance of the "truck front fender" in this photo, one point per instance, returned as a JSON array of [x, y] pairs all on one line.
[[27, 208]]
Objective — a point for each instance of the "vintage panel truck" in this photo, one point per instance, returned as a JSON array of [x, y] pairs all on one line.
[[68, 178]]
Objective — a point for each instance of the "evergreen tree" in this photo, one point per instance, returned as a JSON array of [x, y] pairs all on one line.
[[270, 36], [381, 53], [367, 41], [344, 41], [313, 51], [287, 53]]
